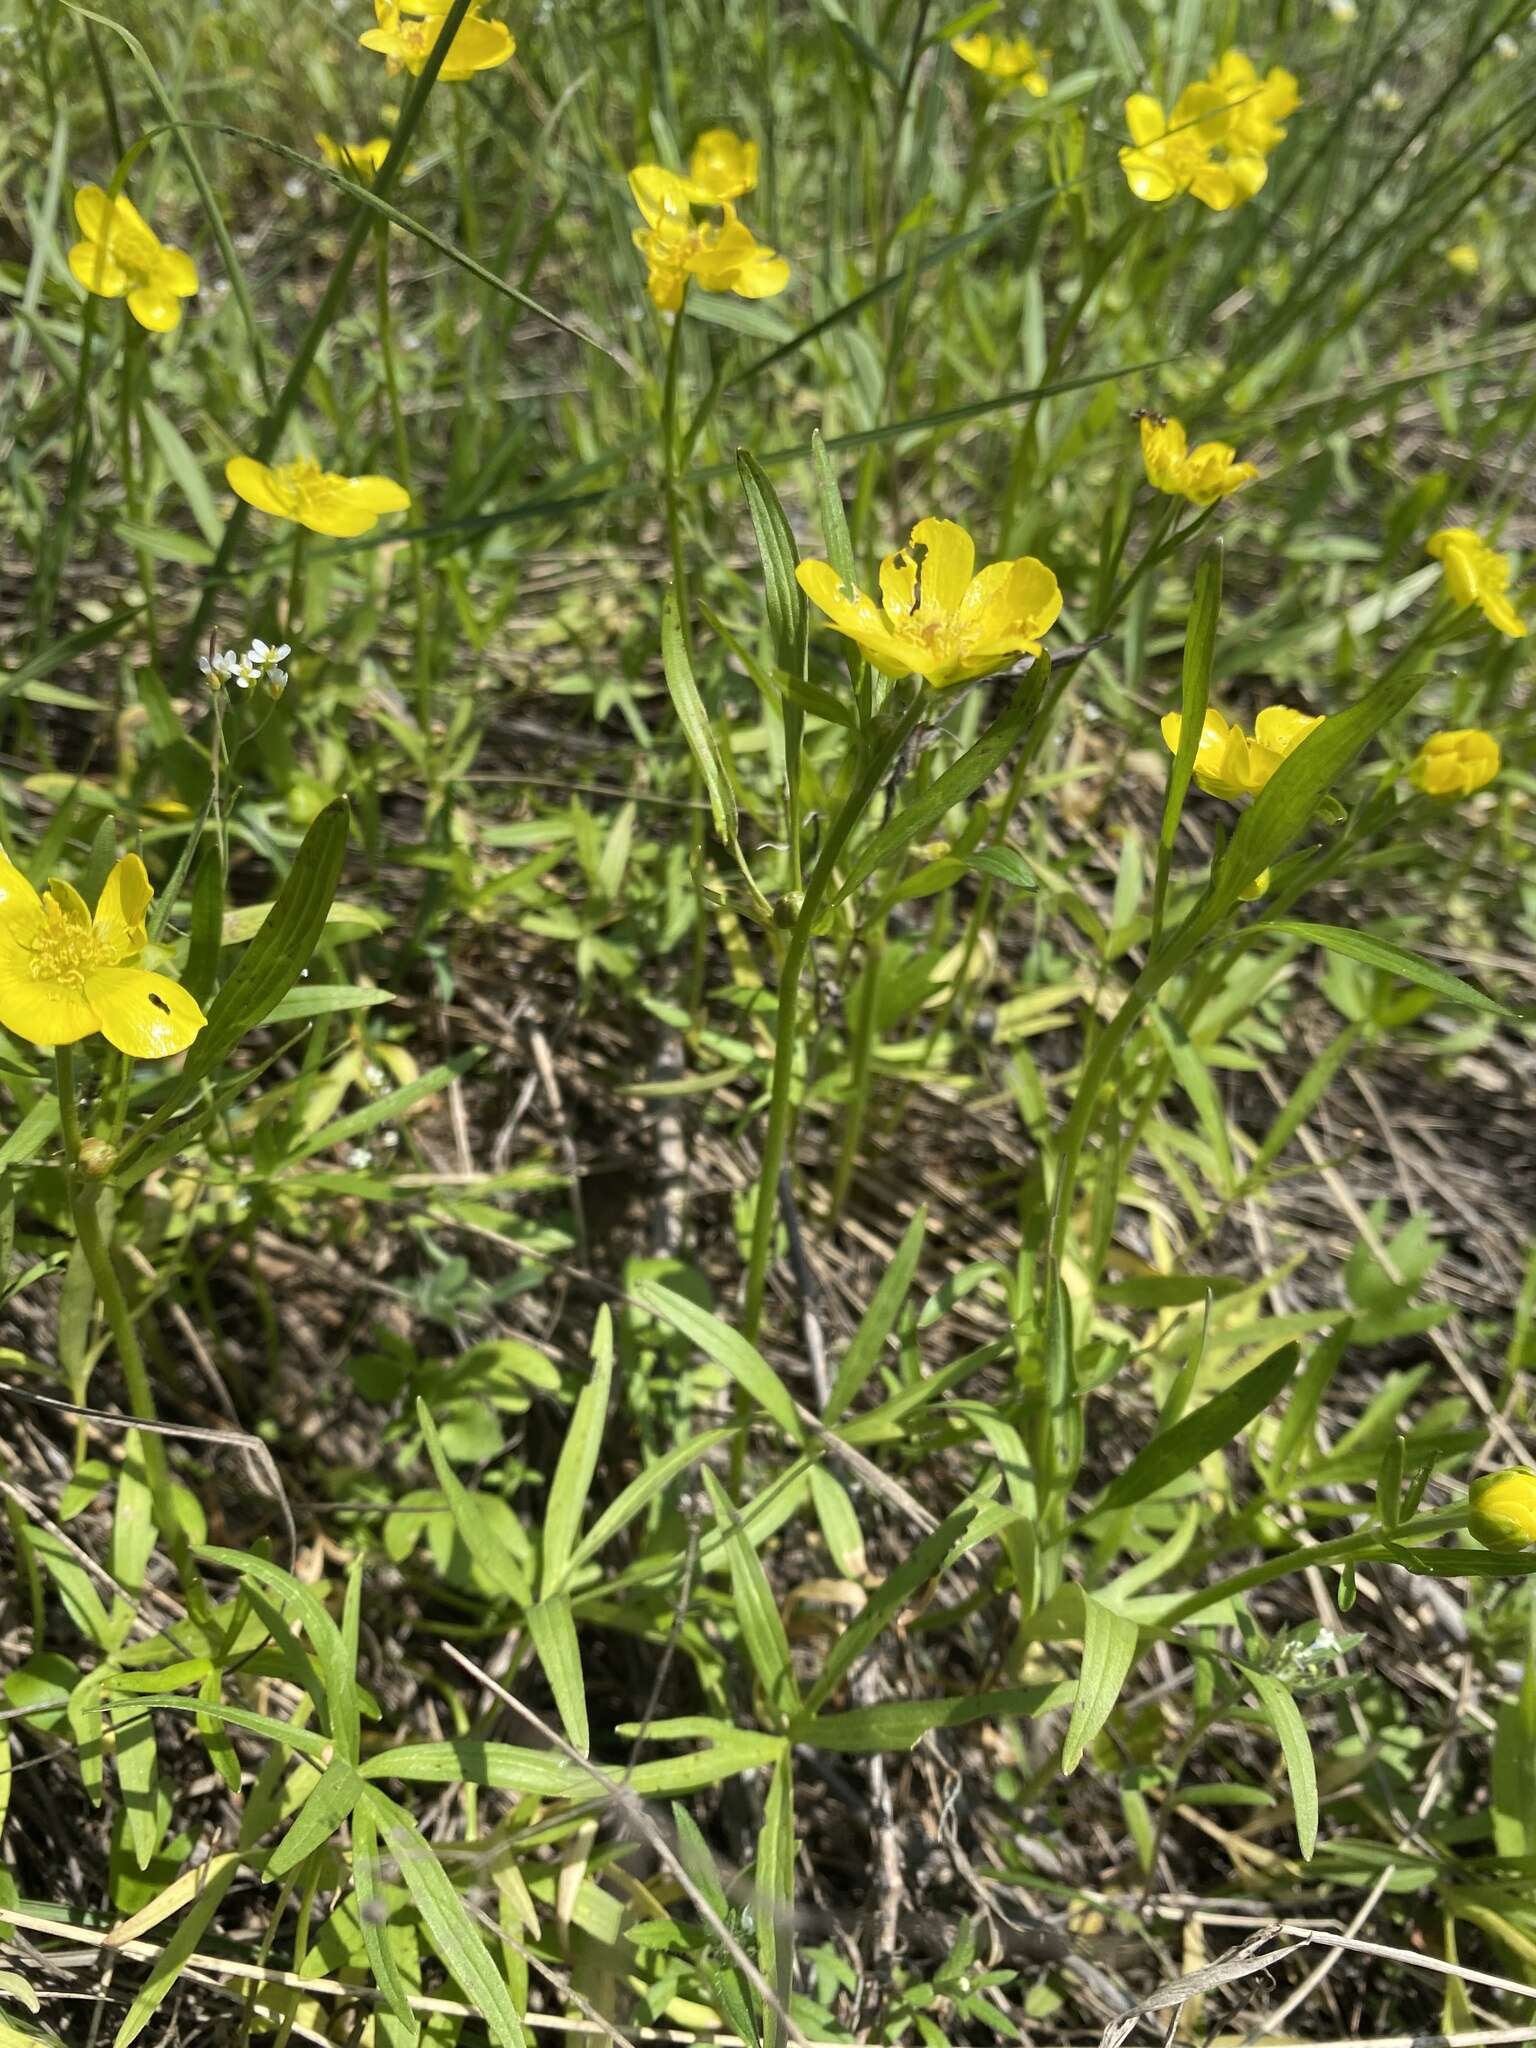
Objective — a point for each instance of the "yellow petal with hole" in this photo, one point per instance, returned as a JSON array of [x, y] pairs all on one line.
[[144, 1015], [949, 562], [861, 619]]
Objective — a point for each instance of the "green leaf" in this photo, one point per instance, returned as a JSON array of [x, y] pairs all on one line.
[[864, 1352], [774, 1870], [1109, 1651], [1374, 952], [900, 1724], [553, 1629], [481, 1540], [185, 471], [338, 1676], [829, 504], [641, 1490], [329, 1802], [782, 595], [444, 1915], [578, 1461], [373, 1918], [757, 1612], [1194, 1077], [500, 1766], [1210, 1428], [728, 1349], [35, 1130], [1284, 1716], [1284, 806], [915, 820], [694, 719], [1194, 697], [919, 1568]]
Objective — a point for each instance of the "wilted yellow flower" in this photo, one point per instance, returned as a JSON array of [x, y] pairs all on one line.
[[1007, 60], [122, 257], [1464, 258], [62, 971], [727, 258], [1204, 473], [339, 506], [1228, 763], [359, 159], [407, 35], [1502, 1509], [937, 618], [1253, 108], [1455, 763], [722, 166], [1168, 157], [1477, 574]]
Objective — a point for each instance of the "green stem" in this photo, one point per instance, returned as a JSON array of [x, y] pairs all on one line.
[[670, 452], [403, 477], [1341, 1549], [293, 615], [780, 1105], [856, 1110], [127, 408], [330, 304], [83, 1198]]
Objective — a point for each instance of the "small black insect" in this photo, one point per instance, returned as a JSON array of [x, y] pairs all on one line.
[[161, 1004]]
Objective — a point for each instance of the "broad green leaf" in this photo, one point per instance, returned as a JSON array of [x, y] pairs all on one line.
[[694, 720], [451, 1931], [1381, 953], [864, 1352], [782, 595], [1194, 1437], [728, 1349], [757, 1611], [481, 1540], [1284, 1716], [1109, 1651], [578, 1461]]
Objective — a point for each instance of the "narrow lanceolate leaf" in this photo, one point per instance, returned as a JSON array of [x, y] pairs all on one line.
[[1208, 1429], [775, 1870], [864, 1353], [762, 1627], [373, 1916], [578, 1460], [727, 1348], [694, 720], [1374, 952], [776, 545], [328, 1804], [449, 1927], [959, 781], [553, 1629], [829, 503], [899, 1724], [1109, 1651], [919, 1568], [481, 1540], [338, 1677], [1284, 1716], [1284, 807]]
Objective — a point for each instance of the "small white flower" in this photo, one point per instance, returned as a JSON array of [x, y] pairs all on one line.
[[1387, 97], [1343, 10], [1507, 47]]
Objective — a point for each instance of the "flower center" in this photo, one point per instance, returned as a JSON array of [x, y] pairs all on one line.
[[64, 951]]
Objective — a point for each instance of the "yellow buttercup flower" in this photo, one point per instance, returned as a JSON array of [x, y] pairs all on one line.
[[937, 617], [1455, 763], [722, 166], [1169, 157], [1006, 60], [1502, 1509], [723, 258], [1464, 259], [123, 258], [1204, 473], [339, 506], [407, 36], [1231, 765], [1477, 574], [1253, 108], [63, 974], [359, 159]]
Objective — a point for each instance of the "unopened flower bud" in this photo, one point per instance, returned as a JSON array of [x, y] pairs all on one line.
[[1502, 1510], [97, 1158]]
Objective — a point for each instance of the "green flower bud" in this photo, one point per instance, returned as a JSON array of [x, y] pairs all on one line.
[[97, 1158], [1502, 1510]]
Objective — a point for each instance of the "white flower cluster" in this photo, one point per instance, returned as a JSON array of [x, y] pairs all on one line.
[[260, 664]]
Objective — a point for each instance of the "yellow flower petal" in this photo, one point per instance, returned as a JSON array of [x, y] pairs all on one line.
[[378, 494], [144, 1015], [176, 272], [120, 908], [948, 563], [155, 308], [95, 269], [255, 482], [21, 907], [1145, 119], [1012, 612], [44, 1012], [860, 618], [1282, 729], [722, 166]]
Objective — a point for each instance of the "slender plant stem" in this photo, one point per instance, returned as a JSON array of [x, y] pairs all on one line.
[[862, 1052], [780, 1103], [129, 368], [402, 443], [330, 304], [1339, 1551], [293, 615]]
